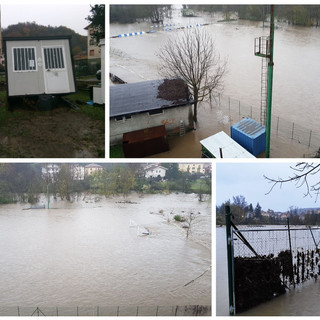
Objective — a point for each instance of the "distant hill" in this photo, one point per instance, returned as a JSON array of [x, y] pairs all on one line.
[[31, 29]]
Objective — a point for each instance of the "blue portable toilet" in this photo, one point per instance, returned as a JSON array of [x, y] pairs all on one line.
[[250, 134]]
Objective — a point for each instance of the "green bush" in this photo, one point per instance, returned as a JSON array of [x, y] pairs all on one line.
[[178, 218]]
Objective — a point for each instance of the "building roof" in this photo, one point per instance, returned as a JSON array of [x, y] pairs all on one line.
[[93, 165], [229, 147], [146, 96], [37, 38], [155, 166]]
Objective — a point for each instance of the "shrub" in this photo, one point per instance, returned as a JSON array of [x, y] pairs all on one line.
[[178, 218]]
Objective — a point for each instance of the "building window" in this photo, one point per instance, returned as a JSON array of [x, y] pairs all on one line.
[[92, 42], [24, 59], [53, 58], [156, 111], [119, 118], [92, 53]]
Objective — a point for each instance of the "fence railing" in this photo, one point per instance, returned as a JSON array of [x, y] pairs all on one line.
[[189, 310], [265, 261], [279, 126]]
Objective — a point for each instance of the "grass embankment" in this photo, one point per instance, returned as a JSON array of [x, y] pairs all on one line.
[[116, 152]]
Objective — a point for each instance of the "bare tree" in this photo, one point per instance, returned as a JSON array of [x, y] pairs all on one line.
[[191, 55], [189, 220], [302, 172]]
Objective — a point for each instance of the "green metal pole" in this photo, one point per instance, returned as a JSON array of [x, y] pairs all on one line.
[[232, 310], [270, 81]]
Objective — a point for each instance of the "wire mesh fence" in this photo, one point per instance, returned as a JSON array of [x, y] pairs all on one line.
[[279, 127], [113, 311], [265, 261], [271, 240], [296, 250]]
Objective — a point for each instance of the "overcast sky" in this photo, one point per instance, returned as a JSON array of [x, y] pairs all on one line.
[[71, 14], [247, 179]]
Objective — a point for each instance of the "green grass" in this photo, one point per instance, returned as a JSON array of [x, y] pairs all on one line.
[[80, 99], [94, 112], [196, 185], [116, 152]]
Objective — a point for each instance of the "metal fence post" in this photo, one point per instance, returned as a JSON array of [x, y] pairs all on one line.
[[292, 274], [232, 309], [292, 130], [310, 138]]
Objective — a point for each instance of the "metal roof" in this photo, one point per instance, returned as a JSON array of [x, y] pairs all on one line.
[[144, 96], [250, 127], [230, 148]]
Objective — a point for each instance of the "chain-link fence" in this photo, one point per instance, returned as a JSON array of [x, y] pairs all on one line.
[[271, 240], [236, 110], [114, 311], [265, 261]]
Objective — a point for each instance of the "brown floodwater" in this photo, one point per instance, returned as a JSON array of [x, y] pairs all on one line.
[[89, 252]]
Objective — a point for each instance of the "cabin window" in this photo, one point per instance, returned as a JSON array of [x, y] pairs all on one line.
[[24, 59], [53, 58]]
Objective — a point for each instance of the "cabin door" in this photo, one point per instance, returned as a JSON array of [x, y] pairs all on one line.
[[55, 70]]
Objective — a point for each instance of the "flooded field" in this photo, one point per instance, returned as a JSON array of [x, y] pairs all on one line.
[[295, 94], [90, 252]]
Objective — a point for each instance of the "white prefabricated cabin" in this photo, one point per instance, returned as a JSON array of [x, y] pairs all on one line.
[[39, 65]]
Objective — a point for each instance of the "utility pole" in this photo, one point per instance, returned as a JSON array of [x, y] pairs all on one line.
[[264, 47], [270, 81]]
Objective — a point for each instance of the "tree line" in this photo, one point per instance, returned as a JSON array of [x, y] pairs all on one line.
[[32, 29], [134, 13], [24, 182], [244, 213], [304, 15]]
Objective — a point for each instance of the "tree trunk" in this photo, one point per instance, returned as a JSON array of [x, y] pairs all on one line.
[[195, 111]]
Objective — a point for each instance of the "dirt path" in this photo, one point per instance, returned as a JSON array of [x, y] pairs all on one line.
[[59, 133]]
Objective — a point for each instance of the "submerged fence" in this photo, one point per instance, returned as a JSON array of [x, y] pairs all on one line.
[[236, 110], [264, 262], [114, 311]]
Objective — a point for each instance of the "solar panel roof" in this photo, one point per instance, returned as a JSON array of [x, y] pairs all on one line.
[[145, 96]]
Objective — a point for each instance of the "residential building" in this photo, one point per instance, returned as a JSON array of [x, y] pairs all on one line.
[[193, 167], [94, 51], [155, 171], [77, 171], [92, 168], [50, 171]]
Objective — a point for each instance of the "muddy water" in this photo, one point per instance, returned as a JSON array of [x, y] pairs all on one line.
[[304, 300], [85, 253], [296, 97]]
